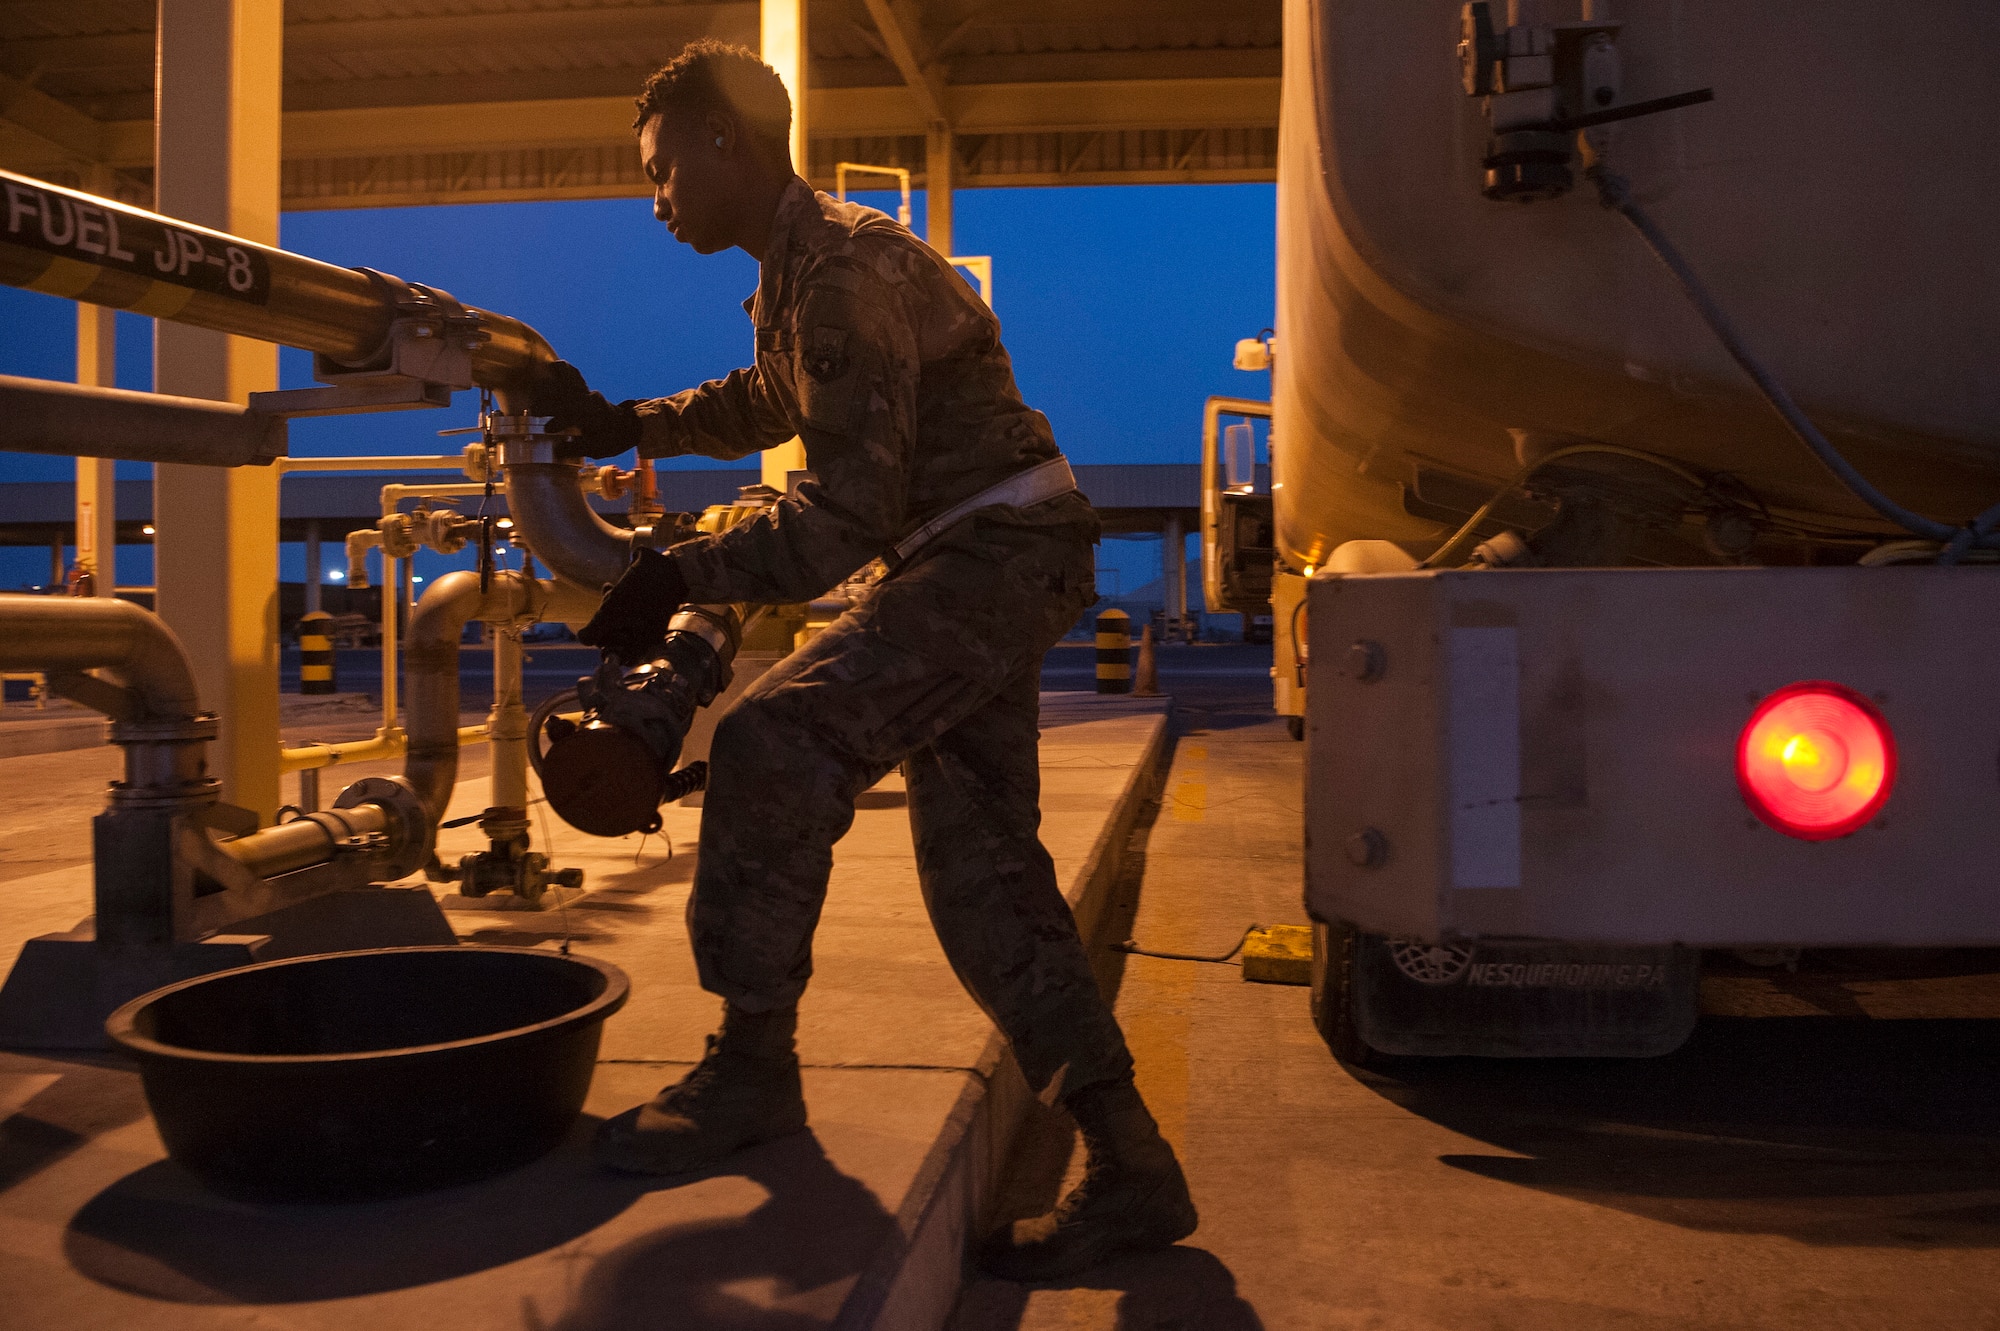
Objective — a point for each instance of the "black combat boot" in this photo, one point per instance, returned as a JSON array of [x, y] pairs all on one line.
[[744, 1091], [1133, 1197]]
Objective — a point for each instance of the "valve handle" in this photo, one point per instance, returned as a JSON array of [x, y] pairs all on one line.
[[1653, 106], [486, 554]]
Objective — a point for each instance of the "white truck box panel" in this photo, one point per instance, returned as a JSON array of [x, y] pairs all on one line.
[[1552, 754]]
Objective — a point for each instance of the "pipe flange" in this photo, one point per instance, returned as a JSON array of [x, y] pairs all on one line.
[[416, 834], [179, 798], [531, 447], [166, 730]]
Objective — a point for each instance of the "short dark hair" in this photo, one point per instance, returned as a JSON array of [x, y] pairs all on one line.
[[709, 75]]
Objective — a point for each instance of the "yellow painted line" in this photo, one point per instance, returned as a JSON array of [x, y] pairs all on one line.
[[1157, 1035], [1191, 802]]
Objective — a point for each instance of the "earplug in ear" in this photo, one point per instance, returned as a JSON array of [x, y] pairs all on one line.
[[718, 140]]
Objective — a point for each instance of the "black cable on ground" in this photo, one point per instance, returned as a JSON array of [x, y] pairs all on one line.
[[1131, 948]]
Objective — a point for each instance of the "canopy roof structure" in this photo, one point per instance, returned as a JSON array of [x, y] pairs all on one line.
[[395, 102]]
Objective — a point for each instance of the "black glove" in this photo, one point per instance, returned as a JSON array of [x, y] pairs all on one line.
[[632, 620], [605, 428]]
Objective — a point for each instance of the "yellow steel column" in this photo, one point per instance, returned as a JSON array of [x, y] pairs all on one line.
[[937, 189], [96, 478], [781, 38], [218, 114]]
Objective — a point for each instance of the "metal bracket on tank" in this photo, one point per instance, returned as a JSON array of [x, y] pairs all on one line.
[[426, 357], [1540, 84]]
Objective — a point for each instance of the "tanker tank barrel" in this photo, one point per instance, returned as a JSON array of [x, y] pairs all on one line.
[[67, 243]]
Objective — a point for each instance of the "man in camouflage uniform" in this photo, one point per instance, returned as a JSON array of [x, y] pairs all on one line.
[[875, 353]]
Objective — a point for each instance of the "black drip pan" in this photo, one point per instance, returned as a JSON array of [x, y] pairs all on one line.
[[370, 1074]]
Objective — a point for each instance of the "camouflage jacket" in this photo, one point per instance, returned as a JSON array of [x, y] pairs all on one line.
[[878, 356]]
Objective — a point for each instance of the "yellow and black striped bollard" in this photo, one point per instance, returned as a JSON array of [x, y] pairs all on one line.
[[316, 652], [1114, 652]]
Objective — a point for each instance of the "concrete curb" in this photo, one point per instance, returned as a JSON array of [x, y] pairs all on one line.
[[912, 1283], [19, 739]]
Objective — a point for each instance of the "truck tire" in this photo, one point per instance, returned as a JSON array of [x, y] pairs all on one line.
[[1295, 726], [1333, 995]]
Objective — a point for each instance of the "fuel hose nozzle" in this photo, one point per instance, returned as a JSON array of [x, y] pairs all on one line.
[[609, 773]]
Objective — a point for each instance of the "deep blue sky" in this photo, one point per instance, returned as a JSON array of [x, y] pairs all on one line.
[[1121, 306]]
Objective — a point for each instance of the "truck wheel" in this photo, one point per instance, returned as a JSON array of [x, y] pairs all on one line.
[[1295, 726], [1333, 995]]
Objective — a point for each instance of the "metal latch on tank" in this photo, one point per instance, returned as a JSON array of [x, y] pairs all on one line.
[[426, 357], [1543, 83]]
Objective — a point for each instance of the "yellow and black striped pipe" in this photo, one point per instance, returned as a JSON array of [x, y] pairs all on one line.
[[1114, 652], [316, 653]]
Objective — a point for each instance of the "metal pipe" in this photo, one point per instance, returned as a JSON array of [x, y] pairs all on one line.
[[393, 495], [507, 724], [68, 243], [305, 841], [415, 462], [546, 501], [69, 634], [391, 594], [359, 543], [42, 416], [393, 744], [431, 659]]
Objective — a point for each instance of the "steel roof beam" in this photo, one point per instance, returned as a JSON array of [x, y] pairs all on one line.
[[1005, 108], [665, 28], [901, 30], [62, 127]]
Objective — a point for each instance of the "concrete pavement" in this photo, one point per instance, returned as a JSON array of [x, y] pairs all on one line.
[[860, 1222], [1788, 1175]]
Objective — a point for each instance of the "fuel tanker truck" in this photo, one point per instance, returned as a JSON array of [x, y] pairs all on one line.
[[1634, 499]]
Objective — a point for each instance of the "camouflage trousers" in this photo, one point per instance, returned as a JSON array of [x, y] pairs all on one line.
[[938, 671]]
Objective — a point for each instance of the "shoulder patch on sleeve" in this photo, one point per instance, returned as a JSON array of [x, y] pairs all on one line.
[[824, 356]]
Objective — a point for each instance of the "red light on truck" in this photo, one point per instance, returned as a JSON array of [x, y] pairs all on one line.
[[1816, 760]]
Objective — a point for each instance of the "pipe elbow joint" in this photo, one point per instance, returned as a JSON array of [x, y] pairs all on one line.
[[547, 503]]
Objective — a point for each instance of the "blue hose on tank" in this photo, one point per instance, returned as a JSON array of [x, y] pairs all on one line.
[[1615, 193]]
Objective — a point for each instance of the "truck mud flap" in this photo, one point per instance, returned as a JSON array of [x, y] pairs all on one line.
[[1501, 998]]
